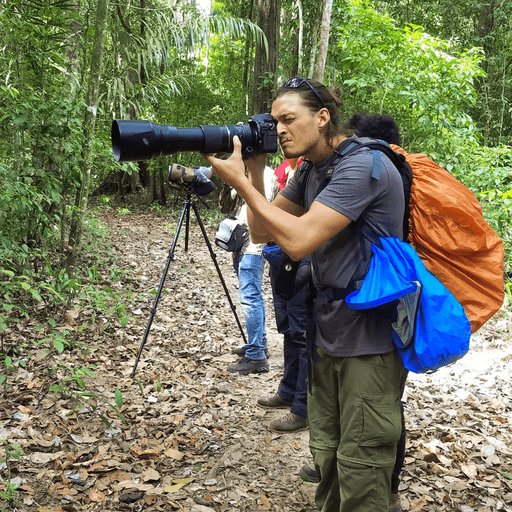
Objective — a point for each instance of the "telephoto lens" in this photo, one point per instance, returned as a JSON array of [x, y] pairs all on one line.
[[134, 141]]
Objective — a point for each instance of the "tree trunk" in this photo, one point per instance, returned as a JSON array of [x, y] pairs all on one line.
[[265, 64], [161, 176], [298, 71], [152, 189], [485, 29], [90, 127], [314, 40], [324, 41], [120, 186], [248, 51]]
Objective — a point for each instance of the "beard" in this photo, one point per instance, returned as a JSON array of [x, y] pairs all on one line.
[[289, 152]]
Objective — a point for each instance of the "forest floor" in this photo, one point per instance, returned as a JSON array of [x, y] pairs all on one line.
[[189, 436]]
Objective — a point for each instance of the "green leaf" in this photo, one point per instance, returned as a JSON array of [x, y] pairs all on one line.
[[35, 295], [119, 398], [19, 120], [140, 387], [506, 475], [105, 420], [121, 417], [59, 346]]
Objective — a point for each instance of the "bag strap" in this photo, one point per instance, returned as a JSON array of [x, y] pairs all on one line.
[[377, 147]]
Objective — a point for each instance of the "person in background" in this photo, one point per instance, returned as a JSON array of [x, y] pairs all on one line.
[[290, 314], [249, 265], [375, 126], [354, 386]]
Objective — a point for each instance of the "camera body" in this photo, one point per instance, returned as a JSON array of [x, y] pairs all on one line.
[[135, 141], [264, 133]]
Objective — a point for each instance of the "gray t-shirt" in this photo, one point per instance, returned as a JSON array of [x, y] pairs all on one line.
[[376, 204]]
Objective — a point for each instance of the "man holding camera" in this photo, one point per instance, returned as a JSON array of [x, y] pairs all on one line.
[[354, 387]]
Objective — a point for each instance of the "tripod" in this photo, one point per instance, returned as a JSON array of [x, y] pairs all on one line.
[[185, 215]]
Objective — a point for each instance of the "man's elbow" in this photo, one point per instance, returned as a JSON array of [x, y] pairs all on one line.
[[297, 252], [257, 238]]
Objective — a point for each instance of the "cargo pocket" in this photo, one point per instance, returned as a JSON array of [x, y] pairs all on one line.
[[382, 420]]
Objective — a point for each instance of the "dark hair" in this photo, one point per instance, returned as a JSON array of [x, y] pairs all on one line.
[[331, 100], [377, 126]]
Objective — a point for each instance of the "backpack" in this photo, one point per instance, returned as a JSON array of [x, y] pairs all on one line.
[[457, 245], [443, 222], [231, 234], [430, 327]]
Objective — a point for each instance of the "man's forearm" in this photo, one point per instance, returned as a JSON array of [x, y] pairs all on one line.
[[257, 231], [270, 222]]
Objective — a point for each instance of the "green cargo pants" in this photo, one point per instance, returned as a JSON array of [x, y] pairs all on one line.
[[354, 426]]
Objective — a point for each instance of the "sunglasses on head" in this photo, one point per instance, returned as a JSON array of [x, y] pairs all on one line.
[[297, 81]]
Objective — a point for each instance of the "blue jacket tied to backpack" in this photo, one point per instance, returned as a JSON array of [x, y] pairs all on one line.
[[431, 328]]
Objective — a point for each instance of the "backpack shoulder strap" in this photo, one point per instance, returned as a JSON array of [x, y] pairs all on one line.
[[378, 147]]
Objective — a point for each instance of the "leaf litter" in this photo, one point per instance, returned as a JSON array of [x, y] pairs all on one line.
[[185, 434]]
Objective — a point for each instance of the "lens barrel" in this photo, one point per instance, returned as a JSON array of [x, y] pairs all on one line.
[[134, 141]]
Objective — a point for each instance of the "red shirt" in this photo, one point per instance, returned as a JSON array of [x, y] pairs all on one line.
[[281, 174]]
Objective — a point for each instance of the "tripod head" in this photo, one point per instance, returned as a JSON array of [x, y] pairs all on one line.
[[196, 179]]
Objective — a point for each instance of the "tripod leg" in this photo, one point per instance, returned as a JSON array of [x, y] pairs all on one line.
[[214, 259], [185, 211], [188, 202]]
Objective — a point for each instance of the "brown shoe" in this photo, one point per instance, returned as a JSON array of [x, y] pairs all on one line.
[[289, 423], [273, 402], [245, 366]]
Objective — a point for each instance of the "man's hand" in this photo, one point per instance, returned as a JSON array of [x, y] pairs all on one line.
[[256, 163], [232, 169]]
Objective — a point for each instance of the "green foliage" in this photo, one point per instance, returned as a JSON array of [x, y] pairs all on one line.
[[486, 171], [468, 24], [26, 197], [140, 387], [119, 404], [8, 372], [497, 208], [60, 340], [158, 56], [12, 453], [67, 385], [10, 494], [404, 72], [119, 398]]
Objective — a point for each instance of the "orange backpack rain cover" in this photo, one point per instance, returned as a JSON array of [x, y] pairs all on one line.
[[456, 244]]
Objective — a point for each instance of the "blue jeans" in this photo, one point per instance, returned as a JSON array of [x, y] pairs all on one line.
[[291, 323], [249, 269]]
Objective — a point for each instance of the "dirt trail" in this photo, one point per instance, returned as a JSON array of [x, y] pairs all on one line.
[[194, 439]]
